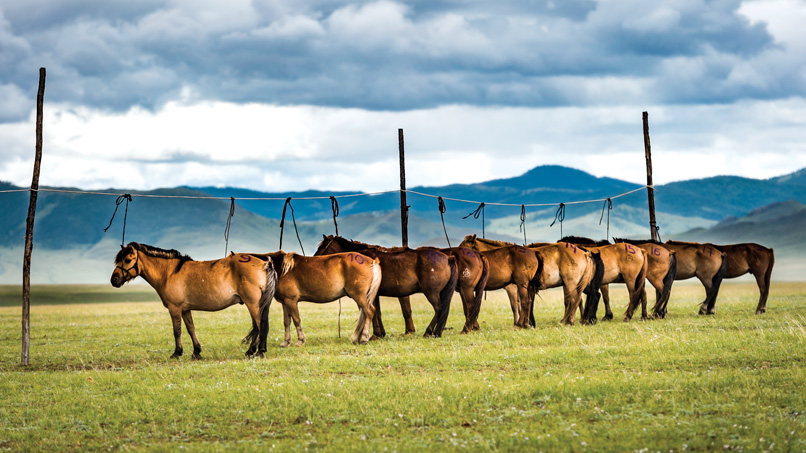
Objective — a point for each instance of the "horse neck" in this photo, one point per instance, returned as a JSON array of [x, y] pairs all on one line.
[[155, 270]]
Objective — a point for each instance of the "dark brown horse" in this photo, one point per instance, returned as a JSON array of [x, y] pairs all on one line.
[[660, 274], [514, 268], [405, 272], [748, 258], [623, 263], [474, 270], [185, 285], [566, 265], [323, 279]]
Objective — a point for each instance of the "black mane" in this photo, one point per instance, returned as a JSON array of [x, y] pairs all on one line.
[[637, 241], [156, 252], [584, 241]]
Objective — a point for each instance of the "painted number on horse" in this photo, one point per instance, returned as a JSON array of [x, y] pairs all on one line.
[[244, 259], [356, 257]]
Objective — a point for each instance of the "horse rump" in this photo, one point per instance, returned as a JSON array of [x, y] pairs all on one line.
[[445, 297]]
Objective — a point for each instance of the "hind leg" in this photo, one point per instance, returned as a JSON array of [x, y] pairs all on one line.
[[525, 307], [709, 287], [605, 290], [572, 299], [405, 307], [468, 300], [764, 292], [514, 303], [192, 332], [378, 331], [433, 329], [362, 328], [287, 325]]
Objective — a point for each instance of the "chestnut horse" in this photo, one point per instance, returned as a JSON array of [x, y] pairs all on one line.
[[748, 258], [566, 265], [623, 263], [405, 272], [185, 285], [474, 271], [322, 279], [660, 274], [517, 270]]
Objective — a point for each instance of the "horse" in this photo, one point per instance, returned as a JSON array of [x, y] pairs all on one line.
[[566, 265], [748, 258], [517, 270], [660, 274], [184, 285], [475, 271], [405, 272], [623, 263], [323, 279]]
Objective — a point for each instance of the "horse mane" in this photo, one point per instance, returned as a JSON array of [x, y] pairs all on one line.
[[283, 261], [495, 242], [637, 241], [353, 245], [682, 242], [577, 240], [155, 252]]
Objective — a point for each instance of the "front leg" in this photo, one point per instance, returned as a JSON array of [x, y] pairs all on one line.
[[192, 332], [287, 324]]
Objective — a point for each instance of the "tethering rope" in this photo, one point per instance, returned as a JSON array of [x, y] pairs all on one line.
[[523, 223], [334, 205], [442, 210], [475, 215], [229, 219], [127, 197], [559, 215], [608, 204], [282, 224]]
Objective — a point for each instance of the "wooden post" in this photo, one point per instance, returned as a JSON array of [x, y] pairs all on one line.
[[29, 228], [653, 228], [404, 208]]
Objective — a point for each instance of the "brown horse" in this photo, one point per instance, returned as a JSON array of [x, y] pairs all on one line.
[[185, 285], [474, 271], [405, 272], [748, 258], [660, 274], [703, 261], [514, 268], [323, 279], [623, 263], [566, 265]]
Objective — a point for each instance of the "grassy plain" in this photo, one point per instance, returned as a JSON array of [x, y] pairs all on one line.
[[100, 379]]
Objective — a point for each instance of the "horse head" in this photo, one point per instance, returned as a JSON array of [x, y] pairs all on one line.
[[127, 265]]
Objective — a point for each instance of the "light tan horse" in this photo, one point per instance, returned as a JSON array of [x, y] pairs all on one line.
[[566, 265], [623, 263], [322, 279], [703, 261], [660, 273], [185, 285], [748, 258]]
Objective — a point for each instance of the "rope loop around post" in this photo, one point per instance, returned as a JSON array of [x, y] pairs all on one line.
[[287, 204], [334, 206], [523, 223], [226, 229], [127, 197], [559, 215], [442, 210], [475, 214], [608, 204]]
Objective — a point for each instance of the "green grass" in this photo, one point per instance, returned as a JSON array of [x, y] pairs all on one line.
[[100, 378]]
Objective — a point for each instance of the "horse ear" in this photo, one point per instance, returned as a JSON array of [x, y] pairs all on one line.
[[474, 237], [324, 237]]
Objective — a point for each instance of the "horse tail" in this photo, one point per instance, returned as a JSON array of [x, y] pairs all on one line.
[[479, 289], [640, 280], [372, 292], [445, 297], [534, 287], [262, 331], [668, 279], [590, 284], [767, 276], [716, 281]]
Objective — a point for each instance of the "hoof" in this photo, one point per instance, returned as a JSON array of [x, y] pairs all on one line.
[[196, 357], [284, 344], [761, 312], [175, 356], [300, 342], [374, 338], [627, 319], [608, 317]]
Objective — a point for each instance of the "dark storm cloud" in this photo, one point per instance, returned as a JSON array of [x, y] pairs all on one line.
[[384, 55]]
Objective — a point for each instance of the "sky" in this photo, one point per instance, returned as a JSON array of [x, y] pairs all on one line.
[[273, 95]]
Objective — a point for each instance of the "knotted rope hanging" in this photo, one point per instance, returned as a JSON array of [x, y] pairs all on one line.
[[282, 224], [118, 202], [559, 215], [523, 223], [334, 205], [475, 215], [226, 229], [442, 210], [657, 231], [608, 204]]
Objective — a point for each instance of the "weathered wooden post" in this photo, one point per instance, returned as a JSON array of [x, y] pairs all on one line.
[[29, 228], [404, 208], [653, 228]]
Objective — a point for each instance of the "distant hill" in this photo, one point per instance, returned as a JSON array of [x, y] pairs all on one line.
[[71, 246]]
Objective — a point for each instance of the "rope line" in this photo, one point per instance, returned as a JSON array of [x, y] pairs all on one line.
[[559, 215], [475, 215], [608, 204], [226, 230], [334, 205], [442, 210], [523, 223], [282, 225], [533, 205], [127, 197]]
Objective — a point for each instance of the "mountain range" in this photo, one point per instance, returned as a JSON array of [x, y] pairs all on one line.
[[70, 244]]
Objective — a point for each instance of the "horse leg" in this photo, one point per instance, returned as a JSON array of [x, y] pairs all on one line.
[[512, 293], [192, 332], [525, 307], [635, 299], [405, 307], [572, 301], [287, 325], [297, 323], [378, 330], [289, 313], [605, 290], [433, 299], [362, 328], [706, 282], [763, 290], [468, 299], [176, 320]]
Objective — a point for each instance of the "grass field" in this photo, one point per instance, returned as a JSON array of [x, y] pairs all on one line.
[[100, 379]]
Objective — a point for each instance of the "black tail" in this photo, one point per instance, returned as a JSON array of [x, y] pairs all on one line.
[[662, 300], [592, 290], [534, 286], [262, 331], [479, 290], [710, 296], [445, 297]]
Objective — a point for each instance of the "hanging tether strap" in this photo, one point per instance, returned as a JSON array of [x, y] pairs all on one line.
[[609, 205], [559, 215], [282, 224], [442, 210], [523, 222], [334, 205], [118, 202], [229, 219], [657, 230], [475, 215]]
